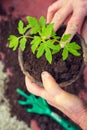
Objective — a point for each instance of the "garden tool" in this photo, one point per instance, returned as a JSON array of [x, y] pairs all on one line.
[[40, 106]]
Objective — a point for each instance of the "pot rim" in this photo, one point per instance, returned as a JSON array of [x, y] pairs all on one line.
[[62, 84]]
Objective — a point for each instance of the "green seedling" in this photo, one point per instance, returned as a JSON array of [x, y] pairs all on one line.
[[40, 106], [43, 39]]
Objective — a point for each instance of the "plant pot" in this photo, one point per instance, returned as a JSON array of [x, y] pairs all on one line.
[[62, 83]]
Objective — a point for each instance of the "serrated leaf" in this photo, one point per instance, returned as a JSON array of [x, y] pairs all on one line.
[[36, 39], [21, 27], [53, 34], [35, 43], [74, 46], [13, 42], [47, 31], [40, 51], [48, 55], [20, 24], [57, 49], [26, 28], [42, 21], [34, 30], [32, 21], [33, 24], [65, 37], [23, 43], [50, 44], [65, 53], [74, 52]]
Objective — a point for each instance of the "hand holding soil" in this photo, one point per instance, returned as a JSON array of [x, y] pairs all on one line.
[[68, 103], [17, 79], [72, 11]]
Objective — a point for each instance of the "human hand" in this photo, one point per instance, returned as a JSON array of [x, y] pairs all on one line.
[[69, 104], [85, 76], [74, 10]]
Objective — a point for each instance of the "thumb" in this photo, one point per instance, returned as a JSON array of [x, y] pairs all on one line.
[[66, 102], [50, 84], [62, 97]]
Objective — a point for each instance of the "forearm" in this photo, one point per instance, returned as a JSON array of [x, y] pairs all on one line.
[[73, 107], [83, 119]]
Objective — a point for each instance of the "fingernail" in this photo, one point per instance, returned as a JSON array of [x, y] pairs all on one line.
[[45, 75]]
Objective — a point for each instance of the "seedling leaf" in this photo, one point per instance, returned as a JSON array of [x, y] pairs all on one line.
[[74, 52], [65, 37], [48, 55], [34, 30], [47, 31], [32, 21], [21, 27], [50, 44], [40, 51], [57, 49], [65, 53], [33, 24], [13, 42], [42, 21], [74, 46], [53, 34], [45, 41], [36, 39], [23, 43], [35, 43]]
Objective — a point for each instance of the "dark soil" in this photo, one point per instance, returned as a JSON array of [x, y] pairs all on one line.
[[61, 70], [17, 81]]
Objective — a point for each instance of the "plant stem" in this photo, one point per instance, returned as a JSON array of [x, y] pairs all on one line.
[[25, 36]]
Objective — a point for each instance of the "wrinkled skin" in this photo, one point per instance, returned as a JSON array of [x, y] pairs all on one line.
[[74, 11]]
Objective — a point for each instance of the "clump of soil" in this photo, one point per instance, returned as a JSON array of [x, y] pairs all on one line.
[[59, 69]]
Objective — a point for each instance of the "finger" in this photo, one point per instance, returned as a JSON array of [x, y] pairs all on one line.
[[84, 30], [74, 23], [32, 87], [53, 88], [61, 97], [52, 9], [36, 90], [60, 16], [50, 84]]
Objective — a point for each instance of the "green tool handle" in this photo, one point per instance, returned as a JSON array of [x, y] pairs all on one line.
[[67, 125]]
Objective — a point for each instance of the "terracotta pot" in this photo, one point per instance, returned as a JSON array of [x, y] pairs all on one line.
[[66, 83]]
